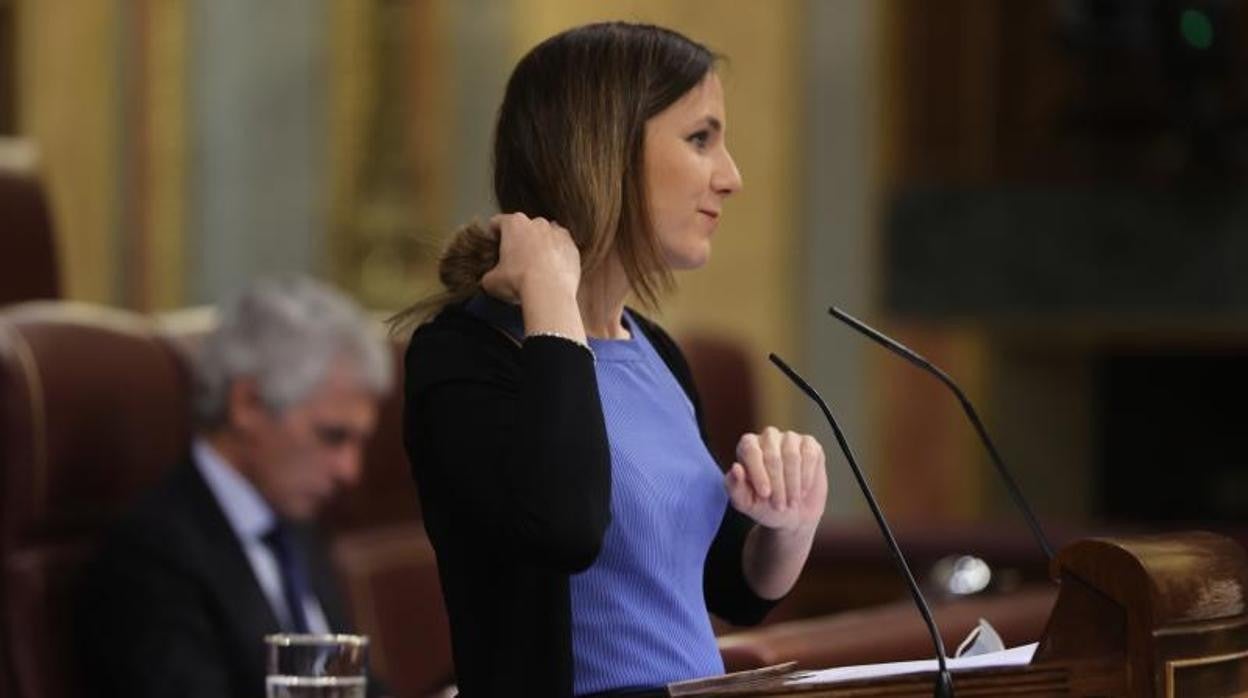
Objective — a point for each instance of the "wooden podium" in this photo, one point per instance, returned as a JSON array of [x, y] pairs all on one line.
[[1156, 616]]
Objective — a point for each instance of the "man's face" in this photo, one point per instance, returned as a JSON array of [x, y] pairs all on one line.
[[300, 458]]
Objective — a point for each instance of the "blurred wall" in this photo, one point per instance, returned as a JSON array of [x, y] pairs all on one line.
[[258, 97], [839, 175], [101, 89], [69, 103]]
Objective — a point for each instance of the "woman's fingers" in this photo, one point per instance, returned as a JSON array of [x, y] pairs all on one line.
[[750, 457], [812, 462], [779, 479], [502, 280], [533, 250], [740, 491], [791, 455], [773, 461]]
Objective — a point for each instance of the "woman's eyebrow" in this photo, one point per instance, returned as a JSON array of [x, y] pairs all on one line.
[[708, 121]]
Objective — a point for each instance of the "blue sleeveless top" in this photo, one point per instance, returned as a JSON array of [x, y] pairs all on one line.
[[639, 616]]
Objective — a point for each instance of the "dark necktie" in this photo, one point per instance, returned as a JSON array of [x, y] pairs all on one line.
[[294, 580]]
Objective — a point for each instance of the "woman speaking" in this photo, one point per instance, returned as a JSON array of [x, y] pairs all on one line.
[[582, 528]]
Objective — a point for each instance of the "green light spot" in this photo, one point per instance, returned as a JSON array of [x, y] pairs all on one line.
[[1196, 29]]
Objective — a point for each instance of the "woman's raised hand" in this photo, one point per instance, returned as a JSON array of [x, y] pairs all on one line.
[[538, 267], [536, 257], [779, 480]]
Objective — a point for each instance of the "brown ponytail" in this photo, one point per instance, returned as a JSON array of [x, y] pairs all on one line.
[[471, 252]]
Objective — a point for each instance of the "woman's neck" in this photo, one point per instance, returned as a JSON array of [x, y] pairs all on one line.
[[601, 300]]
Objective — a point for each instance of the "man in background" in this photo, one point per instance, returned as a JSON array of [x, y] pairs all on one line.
[[221, 552]]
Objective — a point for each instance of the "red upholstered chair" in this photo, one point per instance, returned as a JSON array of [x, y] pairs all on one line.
[[93, 408], [391, 577], [28, 266], [725, 379]]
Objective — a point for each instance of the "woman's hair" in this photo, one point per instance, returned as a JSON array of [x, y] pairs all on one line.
[[569, 147]]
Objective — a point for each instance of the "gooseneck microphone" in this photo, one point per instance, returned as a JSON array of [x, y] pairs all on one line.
[[913, 357], [944, 681]]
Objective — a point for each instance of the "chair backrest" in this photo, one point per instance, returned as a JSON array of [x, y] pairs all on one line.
[[93, 408], [721, 370], [391, 577], [28, 266]]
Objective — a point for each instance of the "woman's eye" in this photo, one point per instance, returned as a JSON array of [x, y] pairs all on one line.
[[700, 139]]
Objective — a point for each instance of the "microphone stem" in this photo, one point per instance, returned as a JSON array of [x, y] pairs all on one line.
[[1010, 485], [913, 357], [944, 684]]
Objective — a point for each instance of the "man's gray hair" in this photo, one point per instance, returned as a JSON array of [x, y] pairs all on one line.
[[286, 333]]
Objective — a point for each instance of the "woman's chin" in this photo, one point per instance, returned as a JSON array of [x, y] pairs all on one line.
[[688, 260]]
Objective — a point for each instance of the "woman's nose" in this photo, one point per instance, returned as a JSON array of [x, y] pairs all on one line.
[[726, 180]]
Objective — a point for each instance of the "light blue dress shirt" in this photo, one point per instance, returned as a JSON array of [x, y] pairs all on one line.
[[251, 517]]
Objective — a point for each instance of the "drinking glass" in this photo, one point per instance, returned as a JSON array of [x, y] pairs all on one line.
[[316, 666]]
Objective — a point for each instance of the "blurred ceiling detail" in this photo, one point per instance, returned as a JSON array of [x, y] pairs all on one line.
[[1138, 91], [1158, 76], [1060, 158]]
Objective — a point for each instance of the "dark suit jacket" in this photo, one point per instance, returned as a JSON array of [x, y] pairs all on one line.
[[171, 606]]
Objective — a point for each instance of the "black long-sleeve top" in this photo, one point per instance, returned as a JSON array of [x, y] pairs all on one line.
[[510, 455]]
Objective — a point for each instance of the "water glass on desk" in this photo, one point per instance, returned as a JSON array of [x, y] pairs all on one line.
[[316, 666]]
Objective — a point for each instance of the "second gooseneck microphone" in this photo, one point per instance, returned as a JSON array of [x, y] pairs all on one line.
[[913, 357], [944, 681]]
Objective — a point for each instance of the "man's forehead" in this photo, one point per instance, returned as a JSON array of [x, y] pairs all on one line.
[[349, 408]]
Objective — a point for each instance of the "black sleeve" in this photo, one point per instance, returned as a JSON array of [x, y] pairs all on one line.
[[728, 594], [508, 444]]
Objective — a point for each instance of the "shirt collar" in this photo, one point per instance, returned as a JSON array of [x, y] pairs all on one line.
[[249, 515]]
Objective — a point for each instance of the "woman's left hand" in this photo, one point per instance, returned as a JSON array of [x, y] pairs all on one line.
[[779, 480]]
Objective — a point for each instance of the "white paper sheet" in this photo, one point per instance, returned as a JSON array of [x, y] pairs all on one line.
[[1017, 656]]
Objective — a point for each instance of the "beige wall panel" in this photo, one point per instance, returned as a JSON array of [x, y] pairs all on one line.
[[391, 145], [165, 100], [352, 95], [67, 57], [351, 91], [430, 147]]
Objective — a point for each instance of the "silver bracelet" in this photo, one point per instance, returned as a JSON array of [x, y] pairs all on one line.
[[565, 338]]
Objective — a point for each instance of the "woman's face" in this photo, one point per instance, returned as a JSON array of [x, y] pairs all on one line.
[[689, 173]]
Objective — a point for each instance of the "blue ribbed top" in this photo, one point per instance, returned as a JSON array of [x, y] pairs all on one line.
[[639, 615]]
